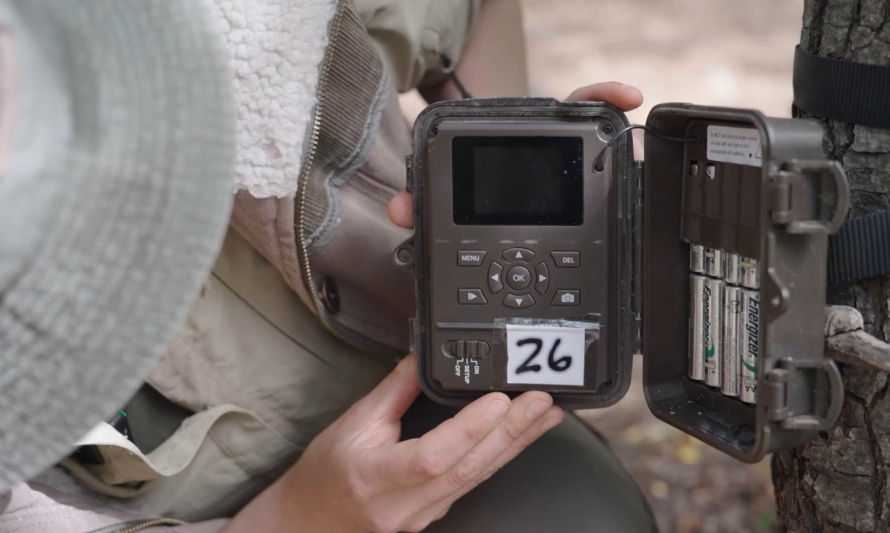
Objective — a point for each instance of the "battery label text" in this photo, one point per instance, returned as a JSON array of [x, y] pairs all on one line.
[[735, 145]]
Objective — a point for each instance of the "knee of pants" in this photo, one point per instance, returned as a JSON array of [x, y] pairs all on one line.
[[568, 481]]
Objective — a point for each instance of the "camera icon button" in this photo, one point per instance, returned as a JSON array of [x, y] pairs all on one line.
[[566, 297]]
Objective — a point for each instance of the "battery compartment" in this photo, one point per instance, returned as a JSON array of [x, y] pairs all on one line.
[[771, 209], [689, 199]]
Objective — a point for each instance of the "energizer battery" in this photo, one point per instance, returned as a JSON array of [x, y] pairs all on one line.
[[732, 271], [749, 342], [697, 258], [732, 306], [713, 260], [705, 329], [749, 273]]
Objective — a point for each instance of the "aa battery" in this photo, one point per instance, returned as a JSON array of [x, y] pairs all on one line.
[[696, 327], [713, 263], [731, 268], [749, 272], [749, 344], [697, 258], [705, 329], [732, 367], [713, 331]]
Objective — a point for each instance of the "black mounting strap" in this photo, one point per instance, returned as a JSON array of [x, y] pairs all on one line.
[[860, 249], [847, 91]]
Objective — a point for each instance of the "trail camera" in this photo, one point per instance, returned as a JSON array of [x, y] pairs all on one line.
[[546, 257]]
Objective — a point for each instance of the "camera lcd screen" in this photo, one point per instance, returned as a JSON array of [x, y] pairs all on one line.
[[518, 181]]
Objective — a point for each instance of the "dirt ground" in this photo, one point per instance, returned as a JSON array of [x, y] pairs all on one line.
[[718, 52]]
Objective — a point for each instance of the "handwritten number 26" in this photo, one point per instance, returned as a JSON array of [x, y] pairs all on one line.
[[557, 364]]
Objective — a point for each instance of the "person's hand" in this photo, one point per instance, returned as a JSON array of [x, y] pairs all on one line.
[[625, 97], [357, 477]]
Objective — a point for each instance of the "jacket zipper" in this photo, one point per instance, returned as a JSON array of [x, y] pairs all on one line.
[[303, 181], [303, 192], [130, 527]]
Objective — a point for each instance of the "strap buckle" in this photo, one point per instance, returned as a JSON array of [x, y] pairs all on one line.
[[798, 196]]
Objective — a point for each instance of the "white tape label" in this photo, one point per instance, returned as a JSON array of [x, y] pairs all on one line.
[[545, 355], [735, 145]]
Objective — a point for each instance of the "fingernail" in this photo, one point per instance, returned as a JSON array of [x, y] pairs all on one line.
[[536, 409], [497, 410]]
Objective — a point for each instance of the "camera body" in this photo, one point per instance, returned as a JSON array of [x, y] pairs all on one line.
[[519, 232], [545, 257]]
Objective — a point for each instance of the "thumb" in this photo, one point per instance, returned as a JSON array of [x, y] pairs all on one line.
[[400, 209], [626, 97], [394, 395]]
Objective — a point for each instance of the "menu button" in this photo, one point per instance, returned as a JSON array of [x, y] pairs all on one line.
[[470, 258]]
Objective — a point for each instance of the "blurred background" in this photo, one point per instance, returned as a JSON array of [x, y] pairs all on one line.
[[717, 52]]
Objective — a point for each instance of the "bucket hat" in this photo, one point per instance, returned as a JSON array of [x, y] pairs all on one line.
[[116, 177]]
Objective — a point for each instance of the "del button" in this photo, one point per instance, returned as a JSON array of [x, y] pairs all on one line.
[[566, 259]]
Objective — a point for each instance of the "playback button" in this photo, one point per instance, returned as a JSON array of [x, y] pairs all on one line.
[[470, 297]]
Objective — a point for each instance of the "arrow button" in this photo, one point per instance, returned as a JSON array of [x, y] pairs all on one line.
[[519, 301], [470, 297], [542, 274], [518, 254], [494, 277]]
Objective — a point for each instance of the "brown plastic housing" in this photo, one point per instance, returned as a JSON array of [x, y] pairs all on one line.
[[603, 240], [779, 213], [639, 222]]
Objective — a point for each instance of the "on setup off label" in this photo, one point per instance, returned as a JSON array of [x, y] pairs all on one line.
[[735, 145]]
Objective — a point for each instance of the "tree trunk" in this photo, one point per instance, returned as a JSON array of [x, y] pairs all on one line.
[[838, 482]]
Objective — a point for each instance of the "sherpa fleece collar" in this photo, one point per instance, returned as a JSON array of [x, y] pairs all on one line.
[[276, 48]]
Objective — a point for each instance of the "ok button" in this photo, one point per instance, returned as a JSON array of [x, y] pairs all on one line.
[[519, 277]]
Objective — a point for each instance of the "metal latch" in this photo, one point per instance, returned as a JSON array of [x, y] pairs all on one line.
[[775, 395], [797, 196]]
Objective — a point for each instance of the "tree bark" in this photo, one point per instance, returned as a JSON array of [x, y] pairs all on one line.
[[838, 482]]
